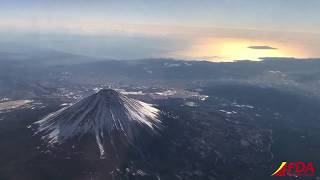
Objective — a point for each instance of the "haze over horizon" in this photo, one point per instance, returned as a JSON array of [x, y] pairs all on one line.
[[208, 30]]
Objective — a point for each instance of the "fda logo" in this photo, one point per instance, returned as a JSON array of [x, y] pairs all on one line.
[[295, 169]]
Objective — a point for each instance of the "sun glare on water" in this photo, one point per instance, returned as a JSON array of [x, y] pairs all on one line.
[[238, 49], [241, 51]]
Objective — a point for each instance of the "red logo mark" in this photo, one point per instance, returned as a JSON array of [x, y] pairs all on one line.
[[295, 169]]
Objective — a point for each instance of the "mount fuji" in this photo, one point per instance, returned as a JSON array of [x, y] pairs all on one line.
[[108, 116]]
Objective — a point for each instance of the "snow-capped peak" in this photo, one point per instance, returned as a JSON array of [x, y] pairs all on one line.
[[101, 114]]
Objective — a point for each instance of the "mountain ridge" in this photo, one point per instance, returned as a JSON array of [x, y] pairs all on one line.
[[107, 115]]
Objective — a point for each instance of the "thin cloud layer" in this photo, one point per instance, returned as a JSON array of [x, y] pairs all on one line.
[[262, 47]]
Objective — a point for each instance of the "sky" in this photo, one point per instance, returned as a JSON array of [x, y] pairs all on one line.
[[217, 30]]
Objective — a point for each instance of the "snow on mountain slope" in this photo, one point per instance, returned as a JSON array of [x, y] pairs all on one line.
[[102, 115]]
